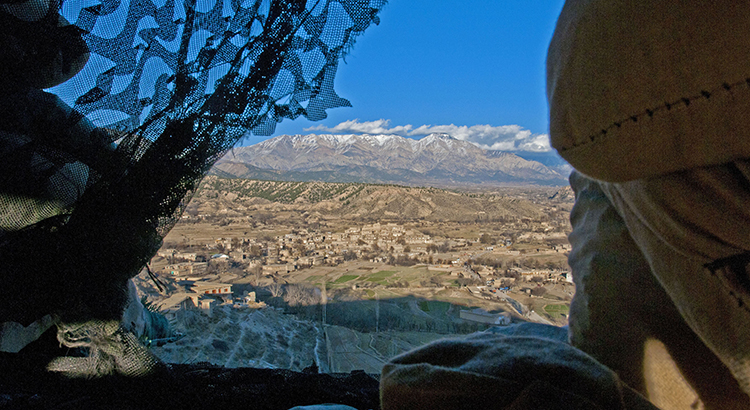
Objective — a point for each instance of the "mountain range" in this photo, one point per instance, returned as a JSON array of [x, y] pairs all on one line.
[[435, 160]]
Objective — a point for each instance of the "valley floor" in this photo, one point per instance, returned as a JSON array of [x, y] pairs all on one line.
[[335, 294]]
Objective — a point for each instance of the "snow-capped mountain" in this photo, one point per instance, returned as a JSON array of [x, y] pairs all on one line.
[[437, 160]]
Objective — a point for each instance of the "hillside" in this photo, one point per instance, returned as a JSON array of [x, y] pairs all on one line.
[[435, 160], [356, 201]]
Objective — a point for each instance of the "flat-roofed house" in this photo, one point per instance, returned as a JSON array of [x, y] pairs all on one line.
[[482, 316], [173, 306], [212, 288]]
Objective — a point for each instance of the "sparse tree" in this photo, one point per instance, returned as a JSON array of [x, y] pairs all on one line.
[[468, 281], [297, 294], [255, 251], [263, 217], [391, 259], [512, 274], [538, 291], [276, 289], [404, 260], [299, 247], [257, 273], [349, 256], [445, 247]]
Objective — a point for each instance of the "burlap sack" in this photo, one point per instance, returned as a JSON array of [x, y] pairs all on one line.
[[493, 371]]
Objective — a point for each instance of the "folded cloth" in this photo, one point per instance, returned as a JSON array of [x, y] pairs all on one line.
[[492, 371], [691, 227], [644, 88], [622, 316]]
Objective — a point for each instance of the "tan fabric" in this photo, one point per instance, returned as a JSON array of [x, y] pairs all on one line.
[[712, 303], [502, 372], [623, 317], [666, 386], [644, 88]]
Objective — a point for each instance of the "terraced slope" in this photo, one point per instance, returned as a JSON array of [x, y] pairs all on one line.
[[353, 200]]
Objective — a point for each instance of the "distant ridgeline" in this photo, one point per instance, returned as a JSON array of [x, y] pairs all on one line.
[[288, 192], [352, 200]]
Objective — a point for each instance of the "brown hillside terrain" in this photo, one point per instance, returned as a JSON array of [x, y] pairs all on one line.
[[234, 197]]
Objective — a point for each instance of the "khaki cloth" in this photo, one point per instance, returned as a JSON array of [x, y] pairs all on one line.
[[644, 88], [650, 99], [517, 371], [684, 221], [645, 306]]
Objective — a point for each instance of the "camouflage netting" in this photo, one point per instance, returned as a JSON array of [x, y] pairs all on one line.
[[95, 170]]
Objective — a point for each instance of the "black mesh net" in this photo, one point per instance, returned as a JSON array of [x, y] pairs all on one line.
[[142, 97]]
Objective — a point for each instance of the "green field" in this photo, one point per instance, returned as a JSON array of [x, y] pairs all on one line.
[[557, 310], [345, 278], [380, 277]]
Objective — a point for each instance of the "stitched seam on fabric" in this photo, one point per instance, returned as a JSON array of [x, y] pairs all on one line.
[[649, 113]]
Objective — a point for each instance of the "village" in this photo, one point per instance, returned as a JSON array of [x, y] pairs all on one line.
[[250, 281], [488, 266]]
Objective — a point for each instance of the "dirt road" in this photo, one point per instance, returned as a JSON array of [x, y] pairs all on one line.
[[349, 350]]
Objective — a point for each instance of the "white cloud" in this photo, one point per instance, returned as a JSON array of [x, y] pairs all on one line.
[[367, 127], [504, 137]]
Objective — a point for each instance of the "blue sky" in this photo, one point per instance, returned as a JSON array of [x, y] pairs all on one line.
[[473, 68]]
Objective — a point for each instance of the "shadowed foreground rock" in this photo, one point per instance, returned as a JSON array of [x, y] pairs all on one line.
[[24, 384]]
